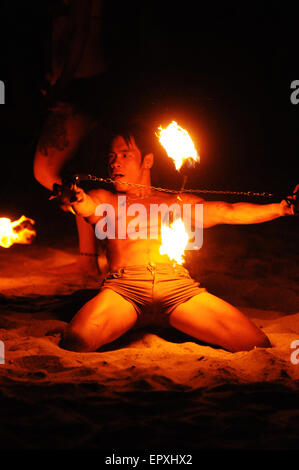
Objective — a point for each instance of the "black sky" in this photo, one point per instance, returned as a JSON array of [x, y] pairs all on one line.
[[223, 69]]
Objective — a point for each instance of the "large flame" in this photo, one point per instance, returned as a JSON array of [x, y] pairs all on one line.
[[19, 231], [178, 144], [174, 240]]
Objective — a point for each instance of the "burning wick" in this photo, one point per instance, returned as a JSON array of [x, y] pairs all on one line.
[[178, 145], [174, 240], [19, 231]]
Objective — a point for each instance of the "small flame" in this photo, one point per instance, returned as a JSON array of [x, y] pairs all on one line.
[[178, 144], [19, 231], [174, 240]]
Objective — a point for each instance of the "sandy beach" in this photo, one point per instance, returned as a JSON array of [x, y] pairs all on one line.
[[154, 387]]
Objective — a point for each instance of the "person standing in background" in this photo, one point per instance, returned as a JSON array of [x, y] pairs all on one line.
[[75, 91]]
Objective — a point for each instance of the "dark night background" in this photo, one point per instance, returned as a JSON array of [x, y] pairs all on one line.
[[223, 71]]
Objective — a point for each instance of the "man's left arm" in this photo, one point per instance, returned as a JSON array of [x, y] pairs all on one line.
[[219, 212]]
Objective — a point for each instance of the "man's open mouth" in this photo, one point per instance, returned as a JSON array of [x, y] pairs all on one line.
[[117, 176]]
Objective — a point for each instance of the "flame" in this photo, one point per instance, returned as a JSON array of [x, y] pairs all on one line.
[[174, 240], [178, 144], [19, 231]]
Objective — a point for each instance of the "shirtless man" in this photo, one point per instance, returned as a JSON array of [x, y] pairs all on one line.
[[141, 279]]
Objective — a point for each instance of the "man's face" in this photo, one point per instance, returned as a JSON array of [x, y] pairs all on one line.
[[124, 163]]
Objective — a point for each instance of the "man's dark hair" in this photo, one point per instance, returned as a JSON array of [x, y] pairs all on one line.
[[144, 137]]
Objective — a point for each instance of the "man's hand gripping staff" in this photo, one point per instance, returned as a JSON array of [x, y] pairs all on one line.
[[290, 205], [71, 197]]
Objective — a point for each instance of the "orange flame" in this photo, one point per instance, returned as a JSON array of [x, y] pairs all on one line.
[[174, 240], [178, 144], [19, 231]]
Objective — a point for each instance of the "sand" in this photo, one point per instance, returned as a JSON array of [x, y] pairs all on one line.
[[156, 387]]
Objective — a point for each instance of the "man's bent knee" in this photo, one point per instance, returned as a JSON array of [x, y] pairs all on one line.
[[75, 341]]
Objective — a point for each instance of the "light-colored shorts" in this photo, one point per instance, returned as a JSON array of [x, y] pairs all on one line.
[[160, 287]]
